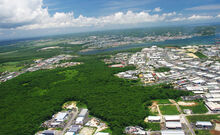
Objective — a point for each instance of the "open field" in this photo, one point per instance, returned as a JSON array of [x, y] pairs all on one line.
[[202, 132], [200, 55], [197, 108], [195, 118], [87, 131], [168, 110]]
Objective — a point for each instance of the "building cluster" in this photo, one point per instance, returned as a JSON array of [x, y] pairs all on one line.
[[72, 122], [58, 120], [171, 125], [186, 70], [39, 64], [104, 41]]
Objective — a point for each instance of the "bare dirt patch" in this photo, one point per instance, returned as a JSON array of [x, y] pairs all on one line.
[[214, 132], [69, 105], [87, 131], [187, 103], [153, 107], [217, 126]]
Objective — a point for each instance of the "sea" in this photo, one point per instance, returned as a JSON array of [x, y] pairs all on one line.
[[196, 40]]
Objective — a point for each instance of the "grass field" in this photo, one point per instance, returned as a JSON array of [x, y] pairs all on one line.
[[168, 110], [199, 108], [200, 55], [202, 132], [194, 118], [11, 66]]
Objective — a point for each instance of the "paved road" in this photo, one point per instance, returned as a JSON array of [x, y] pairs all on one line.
[[188, 124], [183, 117], [69, 122]]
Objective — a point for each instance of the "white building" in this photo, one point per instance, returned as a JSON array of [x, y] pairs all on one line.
[[172, 132], [213, 106], [154, 118], [60, 117], [80, 120], [203, 124], [173, 125], [172, 118]]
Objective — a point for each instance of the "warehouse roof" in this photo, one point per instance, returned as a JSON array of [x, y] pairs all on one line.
[[172, 132], [204, 123], [172, 117], [154, 117], [173, 125]]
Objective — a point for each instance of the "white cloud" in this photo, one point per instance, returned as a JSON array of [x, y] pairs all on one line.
[[218, 15], [199, 17], [157, 9], [205, 7], [68, 20], [21, 11], [30, 14], [191, 18]]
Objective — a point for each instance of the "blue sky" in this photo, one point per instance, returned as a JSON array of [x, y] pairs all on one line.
[[106, 7], [24, 18]]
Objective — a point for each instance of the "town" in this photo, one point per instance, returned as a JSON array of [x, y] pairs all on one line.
[[188, 68], [39, 64]]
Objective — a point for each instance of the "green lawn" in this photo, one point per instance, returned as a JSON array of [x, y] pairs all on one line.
[[11, 66], [195, 118], [200, 55], [153, 126], [200, 108], [168, 110], [202, 132]]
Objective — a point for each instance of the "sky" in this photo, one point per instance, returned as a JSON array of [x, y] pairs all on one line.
[[30, 18]]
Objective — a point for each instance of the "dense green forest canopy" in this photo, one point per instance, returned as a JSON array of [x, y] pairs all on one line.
[[32, 98]]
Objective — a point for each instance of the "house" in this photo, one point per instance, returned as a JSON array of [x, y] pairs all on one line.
[[172, 132], [154, 118], [204, 124], [173, 125], [79, 120], [48, 132], [172, 118]]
